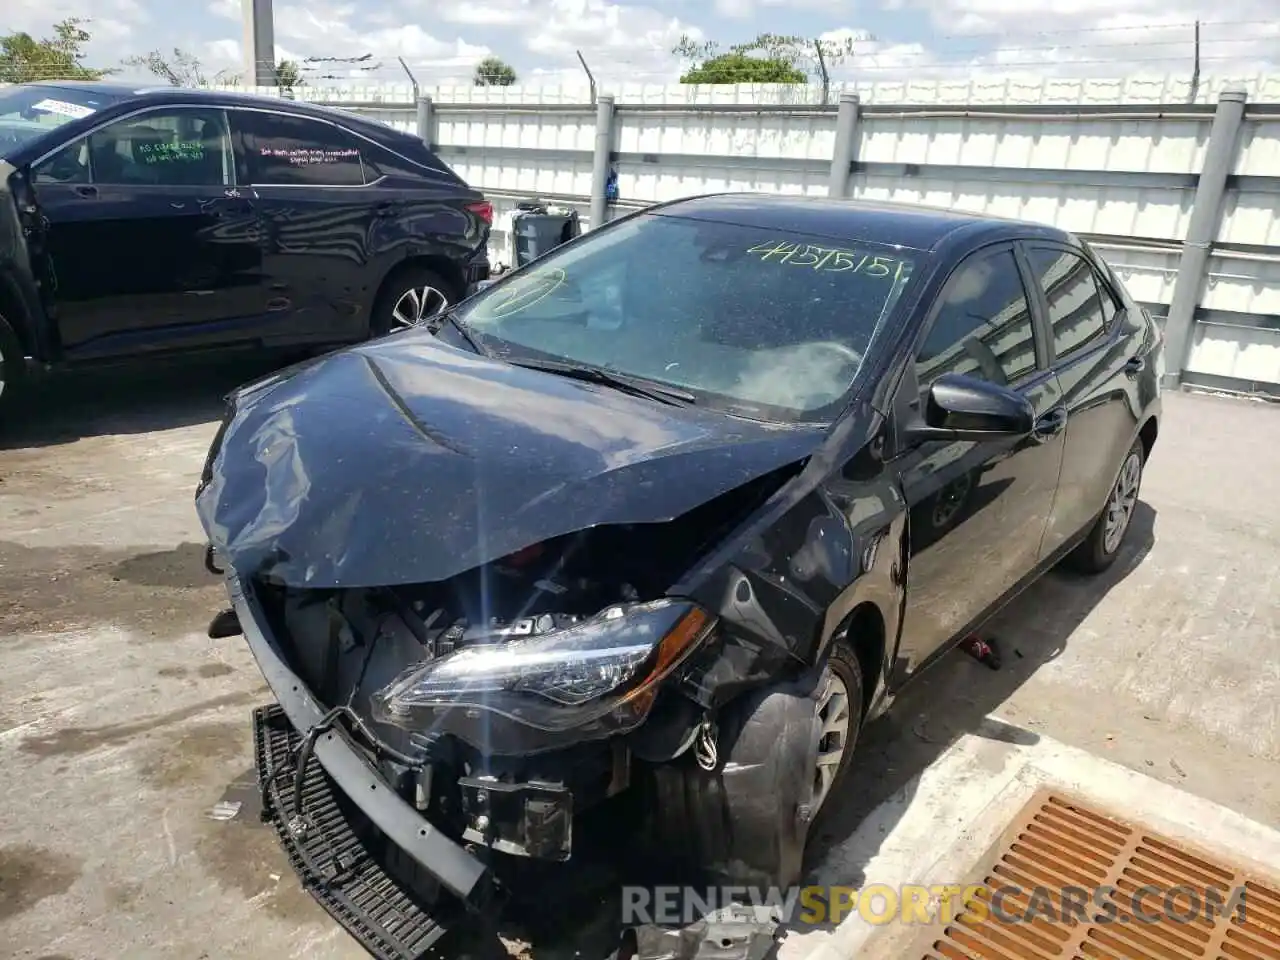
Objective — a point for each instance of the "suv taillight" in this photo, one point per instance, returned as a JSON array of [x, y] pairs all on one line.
[[482, 209]]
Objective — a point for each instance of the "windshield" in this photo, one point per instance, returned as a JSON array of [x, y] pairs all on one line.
[[767, 324], [27, 112]]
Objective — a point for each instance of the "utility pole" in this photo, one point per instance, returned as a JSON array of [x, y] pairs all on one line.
[[259, 43], [1195, 67]]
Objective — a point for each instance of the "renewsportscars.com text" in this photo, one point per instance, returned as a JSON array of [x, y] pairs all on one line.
[[920, 904]]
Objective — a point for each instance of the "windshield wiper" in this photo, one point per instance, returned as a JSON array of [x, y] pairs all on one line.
[[637, 386]]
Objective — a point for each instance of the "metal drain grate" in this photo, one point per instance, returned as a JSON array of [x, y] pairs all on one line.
[[1069, 881]]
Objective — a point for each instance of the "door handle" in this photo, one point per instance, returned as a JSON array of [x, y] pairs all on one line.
[[1135, 365], [89, 193], [1051, 424], [224, 208]]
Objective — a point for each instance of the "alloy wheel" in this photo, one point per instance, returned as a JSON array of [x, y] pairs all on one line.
[[833, 739], [416, 306], [1124, 497]]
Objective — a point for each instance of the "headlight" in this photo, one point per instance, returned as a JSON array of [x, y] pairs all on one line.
[[596, 677]]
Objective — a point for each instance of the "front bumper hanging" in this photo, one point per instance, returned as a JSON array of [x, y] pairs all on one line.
[[330, 859]]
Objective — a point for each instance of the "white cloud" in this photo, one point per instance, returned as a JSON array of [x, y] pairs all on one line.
[[1105, 37], [114, 24], [227, 9], [617, 39], [631, 40]]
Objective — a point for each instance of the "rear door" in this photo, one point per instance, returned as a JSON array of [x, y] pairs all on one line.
[[977, 511], [149, 247], [317, 212], [1091, 342]]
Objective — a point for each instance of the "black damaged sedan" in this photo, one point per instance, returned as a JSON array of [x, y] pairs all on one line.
[[676, 508]]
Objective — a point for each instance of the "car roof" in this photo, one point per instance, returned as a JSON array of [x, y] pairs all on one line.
[[909, 225], [143, 94]]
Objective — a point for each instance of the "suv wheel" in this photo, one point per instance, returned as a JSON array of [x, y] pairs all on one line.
[[1101, 547], [12, 367], [411, 299]]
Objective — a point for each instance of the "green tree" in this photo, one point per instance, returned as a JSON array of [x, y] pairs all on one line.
[[181, 69], [289, 75], [769, 58], [736, 67], [493, 72], [59, 57]]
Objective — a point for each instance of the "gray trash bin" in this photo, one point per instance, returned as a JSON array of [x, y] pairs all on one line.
[[538, 227]]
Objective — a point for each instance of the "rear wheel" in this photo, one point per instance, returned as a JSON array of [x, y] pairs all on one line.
[[1101, 547], [412, 298], [12, 368]]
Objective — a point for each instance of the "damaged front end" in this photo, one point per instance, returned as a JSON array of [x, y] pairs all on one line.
[[438, 726], [493, 727]]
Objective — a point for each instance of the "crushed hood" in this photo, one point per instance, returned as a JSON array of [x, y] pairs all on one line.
[[407, 460]]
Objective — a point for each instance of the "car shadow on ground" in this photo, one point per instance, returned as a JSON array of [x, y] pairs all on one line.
[[130, 399], [957, 696]]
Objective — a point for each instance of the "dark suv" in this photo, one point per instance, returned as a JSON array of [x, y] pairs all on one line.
[[140, 222]]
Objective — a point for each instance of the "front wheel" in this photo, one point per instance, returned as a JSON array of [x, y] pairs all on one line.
[[784, 751], [839, 708], [1100, 548]]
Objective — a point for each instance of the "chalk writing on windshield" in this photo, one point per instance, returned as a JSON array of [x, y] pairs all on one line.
[[524, 295], [190, 151], [828, 259], [307, 156]]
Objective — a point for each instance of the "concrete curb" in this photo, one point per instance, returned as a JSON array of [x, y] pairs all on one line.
[[934, 831]]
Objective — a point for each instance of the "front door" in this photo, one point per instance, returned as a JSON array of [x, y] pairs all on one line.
[[977, 511], [149, 244]]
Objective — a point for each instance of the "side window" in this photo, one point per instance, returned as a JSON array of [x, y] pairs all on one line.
[[68, 165], [1078, 309], [167, 148], [298, 151], [983, 328]]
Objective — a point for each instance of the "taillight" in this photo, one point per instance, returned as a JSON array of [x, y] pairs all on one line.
[[482, 209]]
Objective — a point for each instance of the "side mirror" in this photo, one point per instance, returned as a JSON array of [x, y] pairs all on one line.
[[966, 408]]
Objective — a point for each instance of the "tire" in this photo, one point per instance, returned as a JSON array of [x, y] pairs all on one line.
[[410, 297], [747, 821], [13, 368], [843, 667], [1099, 549]]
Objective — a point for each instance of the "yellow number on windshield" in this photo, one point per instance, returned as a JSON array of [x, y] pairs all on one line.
[[775, 248], [827, 259]]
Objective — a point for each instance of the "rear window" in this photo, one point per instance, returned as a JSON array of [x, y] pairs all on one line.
[[409, 159], [763, 322]]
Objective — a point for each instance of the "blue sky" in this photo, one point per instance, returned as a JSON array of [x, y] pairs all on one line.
[[442, 39]]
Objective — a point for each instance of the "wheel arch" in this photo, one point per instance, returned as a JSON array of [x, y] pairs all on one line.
[[1147, 433], [448, 269], [863, 631]]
